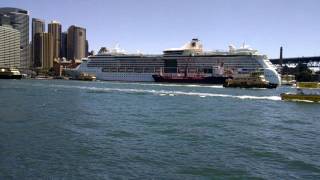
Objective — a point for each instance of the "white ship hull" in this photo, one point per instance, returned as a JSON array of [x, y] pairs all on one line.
[[117, 76], [270, 74]]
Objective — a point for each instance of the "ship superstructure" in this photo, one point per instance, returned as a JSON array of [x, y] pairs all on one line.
[[115, 65]]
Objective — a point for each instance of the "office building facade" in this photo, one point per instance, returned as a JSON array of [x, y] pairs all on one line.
[[54, 28], [76, 43], [87, 48], [38, 26], [44, 44], [63, 46], [19, 20], [9, 47]]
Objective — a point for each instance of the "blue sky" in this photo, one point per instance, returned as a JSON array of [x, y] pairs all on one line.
[[153, 25]]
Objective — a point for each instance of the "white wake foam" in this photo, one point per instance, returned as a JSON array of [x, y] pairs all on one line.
[[166, 85], [169, 93]]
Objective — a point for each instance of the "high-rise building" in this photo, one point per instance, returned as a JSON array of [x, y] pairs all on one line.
[[38, 26], [54, 28], [43, 43], [9, 46], [87, 48], [63, 49], [76, 43], [5, 19], [19, 20]]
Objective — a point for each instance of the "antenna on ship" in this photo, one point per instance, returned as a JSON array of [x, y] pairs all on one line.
[[116, 47], [244, 44]]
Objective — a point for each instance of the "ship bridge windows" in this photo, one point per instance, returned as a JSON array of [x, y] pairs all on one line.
[[173, 52], [206, 70]]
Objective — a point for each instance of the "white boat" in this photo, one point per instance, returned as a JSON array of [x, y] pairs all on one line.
[[116, 65], [305, 91]]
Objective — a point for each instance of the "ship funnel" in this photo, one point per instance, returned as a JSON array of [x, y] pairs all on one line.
[[194, 42], [103, 50], [193, 45], [232, 48]]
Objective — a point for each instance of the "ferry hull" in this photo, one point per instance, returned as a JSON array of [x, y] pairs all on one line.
[[268, 86], [10, 76], [300, 97]]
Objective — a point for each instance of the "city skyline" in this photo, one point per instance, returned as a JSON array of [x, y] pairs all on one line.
[[151, 27]]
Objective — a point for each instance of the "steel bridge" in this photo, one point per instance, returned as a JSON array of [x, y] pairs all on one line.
[[313, 61]]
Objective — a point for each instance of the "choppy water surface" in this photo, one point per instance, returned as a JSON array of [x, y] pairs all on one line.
[[107, 130]]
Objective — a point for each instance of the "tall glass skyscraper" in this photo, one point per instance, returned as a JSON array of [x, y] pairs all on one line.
[[63, 46], [19, 20], [38, 26]]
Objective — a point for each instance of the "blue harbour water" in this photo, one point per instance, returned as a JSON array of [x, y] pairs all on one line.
[[60, 129]]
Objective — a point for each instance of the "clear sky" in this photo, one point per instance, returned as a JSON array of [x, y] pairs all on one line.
[[153, 25]]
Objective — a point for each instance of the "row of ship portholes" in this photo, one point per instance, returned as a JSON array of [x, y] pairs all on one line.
[[123, 76]]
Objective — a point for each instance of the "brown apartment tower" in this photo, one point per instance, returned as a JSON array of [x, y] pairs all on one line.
[[38, 26], [54, 28], [76, 43], [43, 42]]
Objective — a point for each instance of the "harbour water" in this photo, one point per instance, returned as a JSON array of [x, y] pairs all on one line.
[[60, 129]]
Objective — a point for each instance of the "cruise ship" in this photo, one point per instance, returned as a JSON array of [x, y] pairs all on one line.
[[115, 65]]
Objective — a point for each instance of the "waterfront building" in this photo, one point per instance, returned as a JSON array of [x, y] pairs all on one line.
[[9, 46], [54, 28], [19, 20], [44, 43], [63, 46], [38, 26], [76, 43]]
